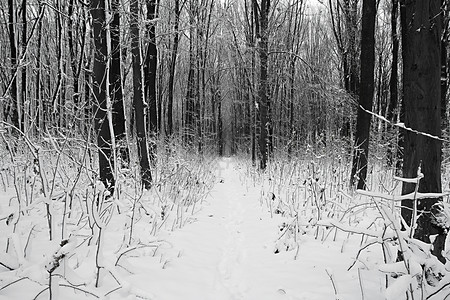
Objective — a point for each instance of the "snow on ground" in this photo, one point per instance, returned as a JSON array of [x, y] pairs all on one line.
[[228, 253]]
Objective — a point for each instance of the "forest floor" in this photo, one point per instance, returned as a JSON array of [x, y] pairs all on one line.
[[228, 252], [232, 246]]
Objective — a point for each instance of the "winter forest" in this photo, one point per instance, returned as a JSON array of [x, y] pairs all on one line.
[[224, 149]]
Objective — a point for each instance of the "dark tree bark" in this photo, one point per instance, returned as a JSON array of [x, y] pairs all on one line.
[[393, 82], [294, 46], [173, 61], [251, 21], [57, 99], [344, 17], [99, 87], [38, 87], [115, 85], [150, 65], [22, 109], [264, 101], [11, 109], [445, 6], [138, 101], [88, 76], [444, 83], [361, 150], [422, 102], [220, 126], [73, 54], [192, 84], [351, 17]]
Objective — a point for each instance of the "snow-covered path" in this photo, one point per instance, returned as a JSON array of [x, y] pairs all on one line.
[[227, 253]]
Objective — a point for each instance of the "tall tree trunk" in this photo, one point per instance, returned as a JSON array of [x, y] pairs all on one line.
[[150, 65], [88, 77], [23, 109], [99, 87], [344, 19], [138, 101], [220, 126], [361, 151], [444, 71], [393, 82], [57, 101], [115, 78], [88, 101], [265, 126], [73, 54], [192, 91], [251, 22], [198, 72], [12, 107], [173, 61], [422, 102], [291, 106], [38, 87], [352, 32]]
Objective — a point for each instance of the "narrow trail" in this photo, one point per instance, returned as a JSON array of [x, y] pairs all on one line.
[[226, 253], [230, 280]]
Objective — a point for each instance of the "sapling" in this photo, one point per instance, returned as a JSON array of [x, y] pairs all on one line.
[[333, 282], [136, 199]]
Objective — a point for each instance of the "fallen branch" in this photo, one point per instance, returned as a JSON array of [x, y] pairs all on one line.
[[347, 228], [397, 198]]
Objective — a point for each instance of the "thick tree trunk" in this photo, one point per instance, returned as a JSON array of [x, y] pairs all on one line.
[[23, 109], [57, 99], [422, 102], [38, 120], [192, 91], [352, 32], [344, 19], [173, 61], [198, 98], [292, 133], [361, 150], [444, 82], [99, 87], [393, 82], [115, 85], [11, 109], [88, 103], [250, 9], [265, 126], [73, 54], [138, 100], [150, 65]]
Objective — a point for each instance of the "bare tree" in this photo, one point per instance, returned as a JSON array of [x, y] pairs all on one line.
[[115, 78], [12, 107], [24, 79], [150, 65], [261, 13], [58, 101], [344, 18], [173, 60], [361, 150], [192, 82], [100, 93], [392, 110], [421, 37], [138, 101]]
